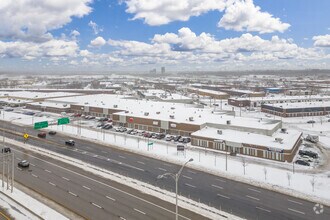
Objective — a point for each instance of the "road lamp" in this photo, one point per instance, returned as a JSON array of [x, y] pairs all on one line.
[[176, 177]]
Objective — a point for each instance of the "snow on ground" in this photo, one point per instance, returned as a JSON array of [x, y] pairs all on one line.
[[19, 204], [279, 177]]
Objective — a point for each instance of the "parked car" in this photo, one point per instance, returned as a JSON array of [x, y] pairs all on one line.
[[177, 138], [308, 153], [169, 138], [306, 158], [52, 132], [42, 134], [107, 126], [100, 124], [160, 136], [301, 162], [186, 140], [129, 131], [311, 122], [70, 142], [6, 150], [134, 132], [24, 164]]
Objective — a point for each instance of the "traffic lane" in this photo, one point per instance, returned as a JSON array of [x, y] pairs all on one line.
[[100, 196], [148, 161], [45, 171]]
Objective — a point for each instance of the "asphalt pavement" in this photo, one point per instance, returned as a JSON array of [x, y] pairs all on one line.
[[238, 198]]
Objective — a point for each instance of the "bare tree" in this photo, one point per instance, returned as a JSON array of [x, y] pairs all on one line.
[[244, 164], [265, 172], [289, 178], [313, 182]]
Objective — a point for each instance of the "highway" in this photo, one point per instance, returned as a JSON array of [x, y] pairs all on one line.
[[88, 195], [240, 199]]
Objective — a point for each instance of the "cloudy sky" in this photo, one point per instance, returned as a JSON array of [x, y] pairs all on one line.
[[47, 35]]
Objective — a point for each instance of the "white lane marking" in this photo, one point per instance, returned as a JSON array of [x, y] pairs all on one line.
[[19, 168], [251, 197], [122, 218], [34, 175], [110, 198], [53, 184], [32, 164], [86, 187], [72, 194], [108, 159], [48, 171], [95, 155], [188, 177], [84, 152], [104, 184], [227, 197], [65, 178], [219, 187], [220, 180], [18, 158], [187, 184], [254, 190], [191, 172], [294, 202], [266, 210], [104, 152], [162, 169], [140, 162], [122, 157], [96, 205], [140, 211], [293, 210]]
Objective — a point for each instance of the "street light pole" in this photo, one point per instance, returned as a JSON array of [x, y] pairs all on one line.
[[176, 178]]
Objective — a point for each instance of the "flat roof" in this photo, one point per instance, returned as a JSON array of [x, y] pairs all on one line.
[[34, 95], [289, 138], [282, 97], [301, 105]]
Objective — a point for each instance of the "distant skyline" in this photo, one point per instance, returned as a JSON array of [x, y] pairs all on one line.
[[181, 35]]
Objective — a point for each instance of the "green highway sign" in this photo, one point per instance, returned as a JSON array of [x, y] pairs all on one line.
[[150, 143], [42, 124], [63, 121]]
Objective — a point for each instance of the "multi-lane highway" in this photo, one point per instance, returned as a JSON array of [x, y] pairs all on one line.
[[241, 199], [88, 195]]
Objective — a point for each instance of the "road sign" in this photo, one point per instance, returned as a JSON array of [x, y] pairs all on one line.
[[150, 143], [63, 121], [26, 136], [42, 124], [180, 147]]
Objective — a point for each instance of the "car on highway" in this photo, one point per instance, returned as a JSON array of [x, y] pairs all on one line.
[[311, 122], [302, 162], [42, 134], [6, 150], [70, 142], [24, 164], [52, 132]]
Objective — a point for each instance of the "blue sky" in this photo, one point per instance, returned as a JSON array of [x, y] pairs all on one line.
[[201, 34]]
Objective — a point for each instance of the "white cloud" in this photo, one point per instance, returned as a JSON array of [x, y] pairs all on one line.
[[74, 34], [322, 40], [32, 50], [95, 27], [32, 19], [240, 15], [98, 42], [243, 15], [155, 12]]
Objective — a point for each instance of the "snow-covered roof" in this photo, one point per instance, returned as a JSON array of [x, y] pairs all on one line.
[[288, 138], [34, 95], [283, 97], [301, 105]]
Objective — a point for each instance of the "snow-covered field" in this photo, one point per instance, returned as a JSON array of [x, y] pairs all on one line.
[[273, 175]]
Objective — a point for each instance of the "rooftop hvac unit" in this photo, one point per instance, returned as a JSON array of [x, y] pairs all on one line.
[[126, 111], [279, 140], [146, 113], [172, 108], [171, 116], [86, 103], [228, 122], [191, 118], [283, 130], [115, 106], [219, 131], [157, 113]]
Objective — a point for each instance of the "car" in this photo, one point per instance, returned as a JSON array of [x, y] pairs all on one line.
[[129, 131], [134, 132], [70, 142], [52, 132], [42, 134], [186, 140], [328, 120], [107, 126], [306, 158], [24, 164], [311, 122], [169, 138], [6, 150], [160, 136], [302, 162], [177, 138], [308, 153], [101, 124]]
